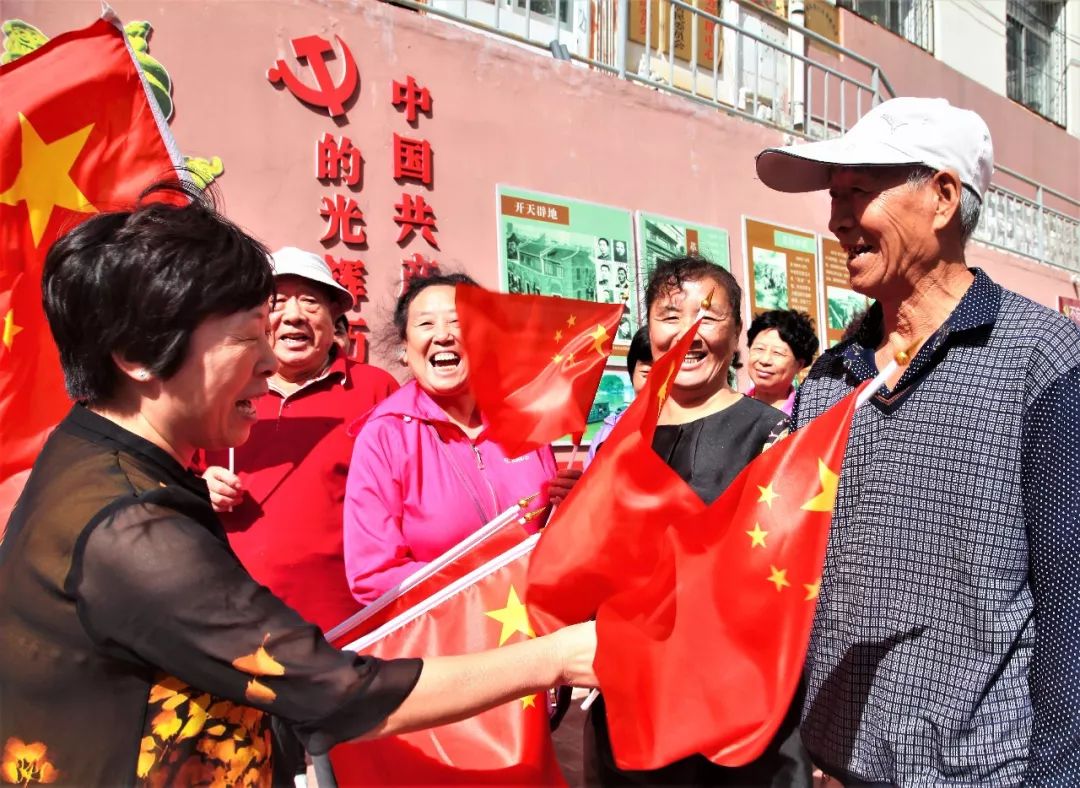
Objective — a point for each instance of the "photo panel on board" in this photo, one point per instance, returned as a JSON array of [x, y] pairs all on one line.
[[558, 246]]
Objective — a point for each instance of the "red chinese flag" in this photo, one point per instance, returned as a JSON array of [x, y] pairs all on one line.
[[534, 362], [396, 602], [77, 137], [603, 537], [510, 744], [705, 656]]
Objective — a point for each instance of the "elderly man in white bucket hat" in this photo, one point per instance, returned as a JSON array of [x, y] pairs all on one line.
[[946, 645], [281, 503]]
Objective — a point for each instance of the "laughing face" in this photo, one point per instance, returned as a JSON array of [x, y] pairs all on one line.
[[433, 349], [886, 227], [208, 402], [302, 328], [704, 370]]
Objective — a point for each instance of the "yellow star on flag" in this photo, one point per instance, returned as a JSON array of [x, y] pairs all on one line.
[[662, 392], [826, 499], [529, 701], [44, 179], [558, 335], [812, 590], [514, 618], [556, 358], [569, 358], [768, 494], [10, 329], [599, 335], [757, 536], [778, 577], [571, 320]]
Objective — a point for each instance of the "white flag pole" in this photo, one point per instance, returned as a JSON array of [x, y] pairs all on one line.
[[414, 612], [900, 359], [429, 569]]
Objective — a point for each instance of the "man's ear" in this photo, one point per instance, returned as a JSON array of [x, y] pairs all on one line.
[[947, 190]]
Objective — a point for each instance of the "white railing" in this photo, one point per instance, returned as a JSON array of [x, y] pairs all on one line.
[[1030, 219], [746, 61]]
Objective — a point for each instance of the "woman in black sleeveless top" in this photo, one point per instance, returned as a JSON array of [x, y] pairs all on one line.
[[707, 433]]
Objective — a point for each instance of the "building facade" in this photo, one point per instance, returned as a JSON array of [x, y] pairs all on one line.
[[380, 133]]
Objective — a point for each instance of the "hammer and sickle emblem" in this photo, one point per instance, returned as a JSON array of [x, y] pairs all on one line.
[[313, 50]]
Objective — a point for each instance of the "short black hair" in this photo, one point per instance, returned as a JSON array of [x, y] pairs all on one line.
[[138, 283], [640, 350], [795, 328], [670, 275], [415, 287]]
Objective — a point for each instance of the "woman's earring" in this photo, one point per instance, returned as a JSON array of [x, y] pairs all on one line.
[[142, 374]]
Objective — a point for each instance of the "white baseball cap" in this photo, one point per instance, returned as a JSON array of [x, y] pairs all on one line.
[[900, 131], [290, 261]]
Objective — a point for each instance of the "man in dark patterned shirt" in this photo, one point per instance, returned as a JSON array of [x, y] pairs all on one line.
[[946, 647]]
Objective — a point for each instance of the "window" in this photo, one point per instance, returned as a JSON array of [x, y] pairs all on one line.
[[1035, 56], [547, 8], [911, 19]]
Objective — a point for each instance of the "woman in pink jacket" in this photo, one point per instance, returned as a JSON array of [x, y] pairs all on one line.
[[423, 476]]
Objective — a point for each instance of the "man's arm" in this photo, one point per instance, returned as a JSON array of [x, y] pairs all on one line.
[[1051, 488]]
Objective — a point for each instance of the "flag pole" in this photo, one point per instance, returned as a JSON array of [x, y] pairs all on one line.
[[900, 359], [430, 568], [574, 454], [232, 465]]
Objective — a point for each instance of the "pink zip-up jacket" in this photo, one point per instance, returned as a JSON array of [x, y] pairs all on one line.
[[417, 486]]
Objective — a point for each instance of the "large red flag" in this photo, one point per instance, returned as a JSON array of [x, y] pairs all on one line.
[[604, 535], [79, 134], [510, 744], [534, 362], [705, 657]]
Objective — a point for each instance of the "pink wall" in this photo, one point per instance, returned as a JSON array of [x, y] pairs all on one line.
[[502, 114]]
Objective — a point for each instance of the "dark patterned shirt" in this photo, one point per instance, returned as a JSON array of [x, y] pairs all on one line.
[[134, 648], [946, 647]]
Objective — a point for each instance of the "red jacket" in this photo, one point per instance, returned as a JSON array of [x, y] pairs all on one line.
[[287, 533]]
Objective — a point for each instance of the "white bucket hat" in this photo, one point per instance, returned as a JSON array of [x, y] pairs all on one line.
[[900, 131], [290, 261]]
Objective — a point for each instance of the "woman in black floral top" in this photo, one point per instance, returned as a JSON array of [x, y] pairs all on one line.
[[134, 648]]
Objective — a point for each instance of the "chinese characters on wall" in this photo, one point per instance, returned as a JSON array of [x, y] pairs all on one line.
[[339, 166]]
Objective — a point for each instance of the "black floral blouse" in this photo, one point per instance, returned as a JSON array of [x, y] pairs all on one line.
[[134, 647]]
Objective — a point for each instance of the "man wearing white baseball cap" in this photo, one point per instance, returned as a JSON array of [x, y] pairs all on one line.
[[946, 644], [281, 503]]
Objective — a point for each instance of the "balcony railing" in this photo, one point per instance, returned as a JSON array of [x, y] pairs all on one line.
[[744, 60], [1027, 218]]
